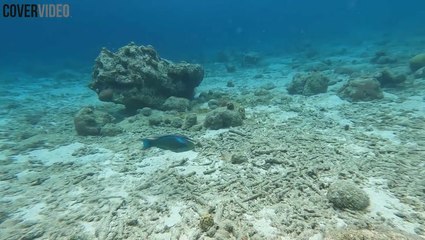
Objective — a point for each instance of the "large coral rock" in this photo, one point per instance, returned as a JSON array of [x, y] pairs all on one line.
[[361, 89], [308, 85], [137, 77]]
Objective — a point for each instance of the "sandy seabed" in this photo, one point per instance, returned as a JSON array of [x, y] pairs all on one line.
[[56, 185]]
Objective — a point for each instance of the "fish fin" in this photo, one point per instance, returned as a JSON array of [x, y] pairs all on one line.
[[146, 143], [181, 139]]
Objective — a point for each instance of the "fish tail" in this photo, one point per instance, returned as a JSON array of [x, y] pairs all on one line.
[[146, 143]]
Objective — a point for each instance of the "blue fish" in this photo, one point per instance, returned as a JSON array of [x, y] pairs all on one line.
[[175, 143]]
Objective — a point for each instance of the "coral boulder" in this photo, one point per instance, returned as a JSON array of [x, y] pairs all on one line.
[[361, 89], [308, 85], [417, 62], [137, 77]]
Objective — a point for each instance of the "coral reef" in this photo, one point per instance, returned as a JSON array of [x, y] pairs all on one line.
[[89, 121], [137, 77], [361, 89], [308, 85], [346, 195], [417, 62], [222, 118]]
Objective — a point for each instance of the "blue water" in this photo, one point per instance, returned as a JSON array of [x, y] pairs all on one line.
[[196, 30]]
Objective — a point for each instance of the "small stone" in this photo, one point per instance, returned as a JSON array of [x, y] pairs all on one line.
[[230, 84], [133, 222], [268, 86], [175, 103], [361, 89], [386, 78], [110, 130], [238, 159], [89, 121], [250, 59], [261, 92], [206, 222], [155, 120], [176, 122], [190, 120], [213, 104], [230, 68], [106, 95], [228, 226], [308, 85], [146, 111], [230, 106], [222, 118]]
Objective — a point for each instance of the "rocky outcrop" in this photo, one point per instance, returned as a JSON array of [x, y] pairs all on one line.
[[137, 77]]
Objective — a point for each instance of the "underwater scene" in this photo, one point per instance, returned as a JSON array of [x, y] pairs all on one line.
[[244, 120]]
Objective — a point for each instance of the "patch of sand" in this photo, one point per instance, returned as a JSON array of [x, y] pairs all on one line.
[[384, 204]]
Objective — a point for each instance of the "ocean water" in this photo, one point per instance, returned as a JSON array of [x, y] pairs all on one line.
[[308, 122]]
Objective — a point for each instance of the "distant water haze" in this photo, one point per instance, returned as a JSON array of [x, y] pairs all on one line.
[[195, 30]]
